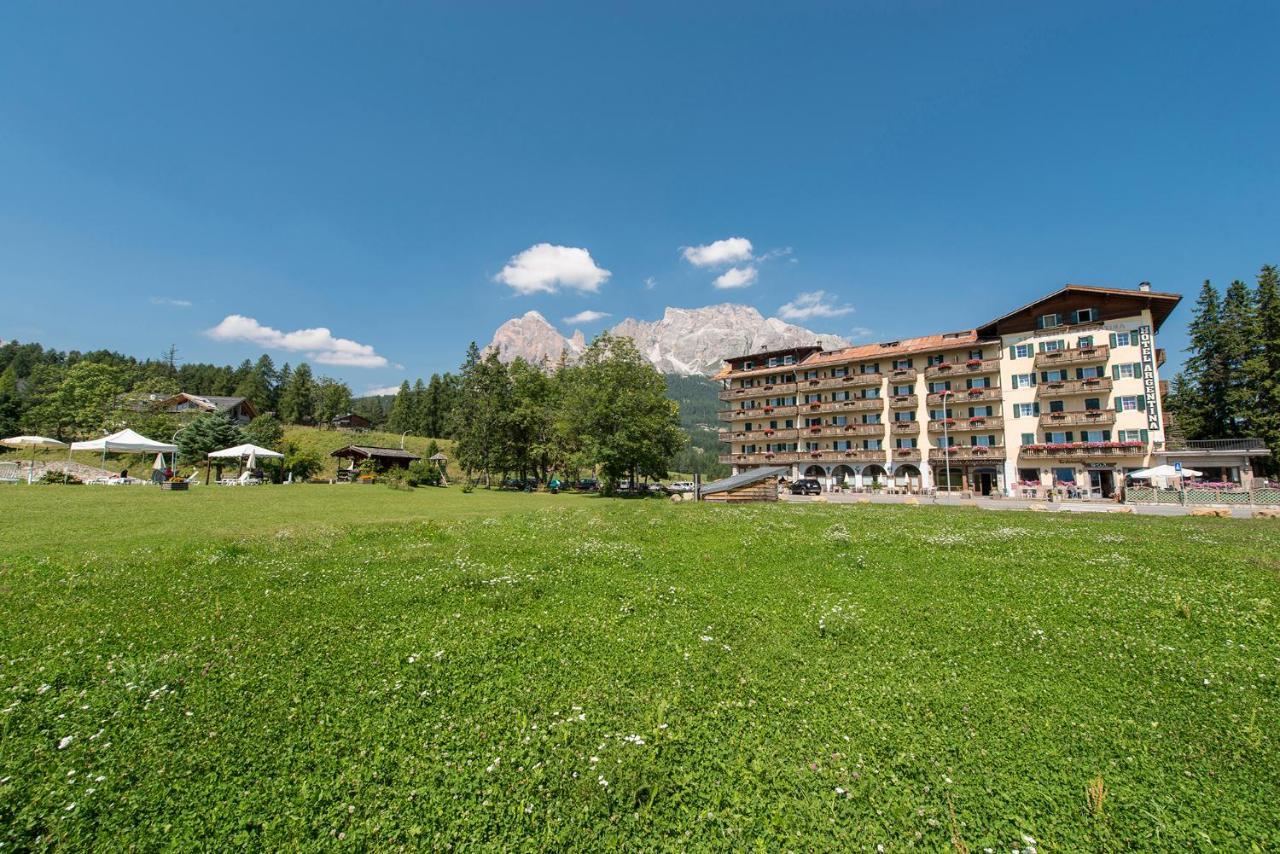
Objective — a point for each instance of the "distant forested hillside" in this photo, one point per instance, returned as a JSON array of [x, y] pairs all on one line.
[[698, 399]]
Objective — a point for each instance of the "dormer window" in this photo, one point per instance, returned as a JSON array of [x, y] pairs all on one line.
[[1048, 321], [1085, 315], [748, 365]]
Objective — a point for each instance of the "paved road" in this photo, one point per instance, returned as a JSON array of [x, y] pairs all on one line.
[[1016, 504]]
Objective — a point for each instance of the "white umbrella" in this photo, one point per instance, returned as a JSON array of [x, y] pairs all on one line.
[[158, 465], [32, 442], [1165, 470], [246, 450]]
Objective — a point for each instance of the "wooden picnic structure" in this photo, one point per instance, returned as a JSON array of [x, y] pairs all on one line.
[[758, 484]]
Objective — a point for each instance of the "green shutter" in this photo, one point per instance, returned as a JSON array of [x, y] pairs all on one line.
[[1044, 376], [1137, 369], [1106, 435], [1071, 436], [1113, 339], [1142, 403], [1117, 405], [1013, 352], [1033, 378], [1144, 433], [1062, 343], [1035, 408], [1115, 372]]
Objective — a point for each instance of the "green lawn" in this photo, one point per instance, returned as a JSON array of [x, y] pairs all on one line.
[[302, 666]]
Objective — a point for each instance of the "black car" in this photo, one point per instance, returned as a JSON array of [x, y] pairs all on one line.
[[806, 486]]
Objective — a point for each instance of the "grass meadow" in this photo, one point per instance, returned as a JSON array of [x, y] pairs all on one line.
[[357, 667]]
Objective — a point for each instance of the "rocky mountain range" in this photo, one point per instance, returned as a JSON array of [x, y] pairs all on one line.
[[686, 341]]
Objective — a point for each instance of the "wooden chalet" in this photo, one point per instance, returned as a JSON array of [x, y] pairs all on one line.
[[385, 457], [350, 421]]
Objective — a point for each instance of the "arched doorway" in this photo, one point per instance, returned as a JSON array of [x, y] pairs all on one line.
[[907, 477], [874, 474], [815, 471], [844, 476]]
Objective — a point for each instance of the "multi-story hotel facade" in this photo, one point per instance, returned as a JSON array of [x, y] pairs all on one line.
[[1064, 392]]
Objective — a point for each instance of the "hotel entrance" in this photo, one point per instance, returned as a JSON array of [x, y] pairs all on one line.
[[1102, 482]]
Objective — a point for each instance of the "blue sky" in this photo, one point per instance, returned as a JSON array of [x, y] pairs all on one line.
[[373, 170]]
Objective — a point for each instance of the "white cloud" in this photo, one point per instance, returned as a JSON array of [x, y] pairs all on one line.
[[545, 268], [587, 316], [382, 391], [813, 304], [861, 333], [737, 277], [170, 301], [650, 283], [731, 250], [318, 344]]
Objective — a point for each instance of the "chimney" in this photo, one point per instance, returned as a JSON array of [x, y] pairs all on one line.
[[1144, 286]]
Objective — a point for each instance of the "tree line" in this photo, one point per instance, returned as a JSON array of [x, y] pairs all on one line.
[[1230, 385]]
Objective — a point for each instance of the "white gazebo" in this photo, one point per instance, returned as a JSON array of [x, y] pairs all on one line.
[[124, 442], [252, 453]]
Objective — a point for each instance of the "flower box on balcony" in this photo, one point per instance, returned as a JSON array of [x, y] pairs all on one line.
[[815, 427], [768, 432], [947, 421], [816, 454], [768, 409], [979, 449], [978, 419], [974, 392], [944, 366], [974, 363], [902, 398]]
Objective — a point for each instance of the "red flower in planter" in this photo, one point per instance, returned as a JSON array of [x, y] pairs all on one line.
[[768, 409], [976, 391], [974, 363], [768, 432], [978, 419], [979, 449]]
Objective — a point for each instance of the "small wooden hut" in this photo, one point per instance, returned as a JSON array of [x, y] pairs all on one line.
[[384, 457], [760, 484]]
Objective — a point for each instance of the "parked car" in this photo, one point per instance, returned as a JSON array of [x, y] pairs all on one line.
[[680, 486], [806, 486], [588, 484]]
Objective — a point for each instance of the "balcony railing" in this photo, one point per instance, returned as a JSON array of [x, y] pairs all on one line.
[[902, 375], [1060, 388], [904, 401], [766, 435], [967, 453], [906, 454], [972, 366], [851, 381], [843, 430], [758, 412], [824, 456], [1174, 444], [1077, 417], [1073, 356], [758, 391], [1086, 449], [962, 396], [905, 428], [962, 423]]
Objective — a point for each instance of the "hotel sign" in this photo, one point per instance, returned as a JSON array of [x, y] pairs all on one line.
[[1146, 344]]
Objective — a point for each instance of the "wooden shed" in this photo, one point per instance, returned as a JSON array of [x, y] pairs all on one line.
[[385, 457], [350, 421], [759, 484]]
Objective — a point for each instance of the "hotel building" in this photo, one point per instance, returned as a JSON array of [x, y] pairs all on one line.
[[1065, 390]]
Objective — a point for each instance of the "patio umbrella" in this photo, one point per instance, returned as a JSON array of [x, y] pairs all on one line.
[[1165, 470], [32, 442]]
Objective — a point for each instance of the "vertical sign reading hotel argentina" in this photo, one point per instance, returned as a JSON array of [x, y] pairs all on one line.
[[1146, 342]]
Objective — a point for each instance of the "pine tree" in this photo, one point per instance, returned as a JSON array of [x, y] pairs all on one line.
[[1239, 343], [1206, 368], [297, 399], [1264, 369], [402, 411], [420, 405]]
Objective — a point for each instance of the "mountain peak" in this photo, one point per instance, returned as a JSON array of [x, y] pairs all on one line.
[[685, 341]]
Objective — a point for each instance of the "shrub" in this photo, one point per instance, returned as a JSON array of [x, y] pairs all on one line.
[[54, 476], [423, 473]]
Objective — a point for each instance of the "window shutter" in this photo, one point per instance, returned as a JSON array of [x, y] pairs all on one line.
[[1119, 408], [1115, 372], [1144, 433], [1137, 369], [1035, 408], [1106, 435], [1070, 436], [1113, 339], [1142, 403], [1013, 352], [1044, 376], [1075, 316], [1062, 343], [1032, 376]]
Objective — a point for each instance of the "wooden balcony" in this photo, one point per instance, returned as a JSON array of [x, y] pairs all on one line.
[[1087, 417], [778, 435], [952, 369], [785, 457], [851, 381], [842, 430], [1062, 388], [902, 375], [967, 453], [963, 424], [960, 397], [1087, 450], [904, 401], [906, 455], [758, 391], [1073, 356], [905, 428], [758, 412], [779, 458]]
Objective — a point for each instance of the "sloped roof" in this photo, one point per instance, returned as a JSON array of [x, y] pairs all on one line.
[[901, 347], [745, 478], [374, 451], [1160, 303]]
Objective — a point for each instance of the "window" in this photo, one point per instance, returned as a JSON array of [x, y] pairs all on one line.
[[1057, 437], [773, 361], [904, 443], [1048, 321], [1054, 346], [840, 372], [871, 418], [870, 393], [978, 382], [841, 395], [940, 385], [939, 414], [936, 359], [1053, 376], [815, 397], [903, 390], [1130, 403], [842, 445], [901, 364], [948, 442], [788, 360], [906, 416], [1024, 380], [839, 420], [1085, 342], [982, 441], [869, 367], [788, 424], [975, 354], [811, 446], [872, 444], [748, 449], [1085, 315], [1095, 436], [815, 421], [1092, 404], [810, 375], [1021, 351], [748, 365], [1126, 371], [1024, 410], [981, 411], [1120, 339], [1090, 373], [1057, 406], [1028, 439], [1133, 435]]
